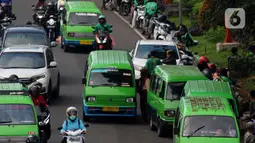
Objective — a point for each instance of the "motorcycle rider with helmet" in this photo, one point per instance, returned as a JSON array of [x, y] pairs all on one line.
[[185, 36], [151, 8], [52, 12], [37, 98], [72, 122], [212, 68], [39, 4], [7, 3], [6, 13], [203, 63], [102, 25]]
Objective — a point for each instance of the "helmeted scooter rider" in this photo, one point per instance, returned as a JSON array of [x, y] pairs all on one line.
[[7, 3], [6, 13], [72, 122], [102, 25], [52, 10], [39, 3]]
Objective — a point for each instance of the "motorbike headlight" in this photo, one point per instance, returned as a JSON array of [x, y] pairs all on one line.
[[91, 98], [130, 100], [61, 8], [70, 34], [138, 68], [39, 76], [169, 113], [40, 16]]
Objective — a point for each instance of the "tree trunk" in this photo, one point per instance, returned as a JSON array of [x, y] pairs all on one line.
[[228, 38]]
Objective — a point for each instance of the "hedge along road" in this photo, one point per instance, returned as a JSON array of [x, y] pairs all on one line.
[[71, 67]]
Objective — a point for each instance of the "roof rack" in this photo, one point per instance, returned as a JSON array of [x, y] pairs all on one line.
[[206, 103]]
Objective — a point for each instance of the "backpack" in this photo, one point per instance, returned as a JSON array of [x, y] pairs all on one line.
[[78, 123]]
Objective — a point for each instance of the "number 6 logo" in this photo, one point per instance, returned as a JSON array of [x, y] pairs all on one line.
[[235, 18]]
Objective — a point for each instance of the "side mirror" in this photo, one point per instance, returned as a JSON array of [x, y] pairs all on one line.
[[53, 64], [53, 44], [64, 21], [176, 131], [86, 125], [131, 53], [59, 128], [84, 80]]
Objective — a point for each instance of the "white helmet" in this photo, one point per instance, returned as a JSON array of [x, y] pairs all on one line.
[[71, 109]]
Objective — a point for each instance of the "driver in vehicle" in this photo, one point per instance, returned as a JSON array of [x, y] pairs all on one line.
[[72, 123]]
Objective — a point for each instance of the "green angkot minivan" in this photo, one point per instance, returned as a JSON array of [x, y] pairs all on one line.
[[109, 85], [166, 87], [211, 88], [205, 120], [78, 18], [18, 118]]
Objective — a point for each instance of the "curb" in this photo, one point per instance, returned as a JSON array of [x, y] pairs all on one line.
[[136, 31]]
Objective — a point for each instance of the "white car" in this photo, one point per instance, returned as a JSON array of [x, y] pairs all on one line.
[[34, 61], [144, 47]]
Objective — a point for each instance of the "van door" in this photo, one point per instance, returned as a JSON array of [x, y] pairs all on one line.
[[161, 96], [177, 126], [152, 97]]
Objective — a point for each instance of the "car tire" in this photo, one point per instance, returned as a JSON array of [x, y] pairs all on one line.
[[56, 92], [160, 129], [152, 127], [84, 117]]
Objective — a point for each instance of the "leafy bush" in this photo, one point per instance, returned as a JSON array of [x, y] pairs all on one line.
[[215, 35], [190, 3], [196, 8], [245, 65]]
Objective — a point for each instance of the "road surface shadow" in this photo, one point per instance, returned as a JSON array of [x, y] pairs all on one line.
[[117, 120], [70, 80]]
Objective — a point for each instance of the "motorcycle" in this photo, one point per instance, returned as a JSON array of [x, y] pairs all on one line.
[[140, 16], [163, 31], [5, 22], [101, 40], [112, 4], [40, 15], [75, 136], [125, 6], [51, 27], [151, 26], [43, 116]]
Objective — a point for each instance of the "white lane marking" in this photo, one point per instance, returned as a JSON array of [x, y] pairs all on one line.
[[136, 31]]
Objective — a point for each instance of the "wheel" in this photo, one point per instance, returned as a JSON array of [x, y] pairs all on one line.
[[56, 93], [85, 118], [160, 129], [152, 127]]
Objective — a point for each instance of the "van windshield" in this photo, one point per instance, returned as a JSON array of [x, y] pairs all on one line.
[[16, 114], [80, 18], [210, 126], [174, 90], [111, 77]]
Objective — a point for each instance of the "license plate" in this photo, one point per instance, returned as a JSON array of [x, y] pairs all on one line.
[[50, 26], [86, 42], [111, 109]]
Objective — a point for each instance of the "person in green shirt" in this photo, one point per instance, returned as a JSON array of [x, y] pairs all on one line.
[[103, 26], [152, 62]]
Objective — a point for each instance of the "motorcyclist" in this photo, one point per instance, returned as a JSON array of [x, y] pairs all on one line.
[[102, 25], [151, 8], [207, 72], [203, 63], [52, 10], [152, 62], [37, 98], [164, 19], [39, 4], [72, 122], [6, 13], [249, 136], [185, 36], [212, 68], [7, 3]]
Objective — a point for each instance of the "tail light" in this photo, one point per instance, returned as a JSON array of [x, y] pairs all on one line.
[[70, 34], [169, 113]]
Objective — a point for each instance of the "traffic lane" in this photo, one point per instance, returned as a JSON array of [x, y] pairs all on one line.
[[23, 10], [71, 68]]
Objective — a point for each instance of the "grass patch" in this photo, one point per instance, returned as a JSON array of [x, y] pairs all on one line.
[[185, 20]]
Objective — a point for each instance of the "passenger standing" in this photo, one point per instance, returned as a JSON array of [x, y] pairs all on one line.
[[143, 90], [152, 62], [170, 59]]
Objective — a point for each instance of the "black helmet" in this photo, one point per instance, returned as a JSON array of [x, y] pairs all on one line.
[[50, 4], [35, 90], [162, 18], [207, 72], [14, 77]]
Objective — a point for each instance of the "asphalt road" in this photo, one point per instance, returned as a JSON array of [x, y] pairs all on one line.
[[71, 68]]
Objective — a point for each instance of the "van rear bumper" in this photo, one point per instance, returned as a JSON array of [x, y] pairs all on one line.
[[85, 42], [96, 111]]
